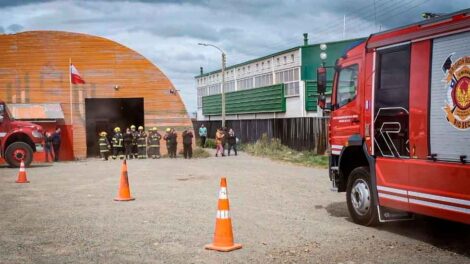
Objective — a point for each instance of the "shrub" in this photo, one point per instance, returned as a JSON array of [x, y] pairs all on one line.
[[273, 149], [210, 143], [200, 153]]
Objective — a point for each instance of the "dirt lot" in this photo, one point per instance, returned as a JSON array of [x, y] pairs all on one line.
[[281, 213]]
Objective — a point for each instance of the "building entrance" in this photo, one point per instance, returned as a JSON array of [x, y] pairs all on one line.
[[103, 114]]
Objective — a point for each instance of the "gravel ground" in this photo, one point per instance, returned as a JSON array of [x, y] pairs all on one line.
[[281, 213]]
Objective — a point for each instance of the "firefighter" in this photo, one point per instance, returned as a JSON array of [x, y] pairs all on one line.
[[154, 143], [168, 138], [104, 146], [187, 143], [142, 143], [134, 141], [173, 142], [118, 148], [128, 139]]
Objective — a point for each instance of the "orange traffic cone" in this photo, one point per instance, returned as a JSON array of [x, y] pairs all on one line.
[[223, 236], [124, 190], [22, 174]]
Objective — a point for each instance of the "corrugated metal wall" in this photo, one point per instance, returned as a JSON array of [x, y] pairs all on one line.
[[34, 68], [259, 100], [297, 133]]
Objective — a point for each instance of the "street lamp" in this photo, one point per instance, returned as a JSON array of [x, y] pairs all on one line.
[[223, 79]]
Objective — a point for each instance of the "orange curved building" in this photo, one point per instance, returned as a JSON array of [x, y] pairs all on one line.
[[122, 87]]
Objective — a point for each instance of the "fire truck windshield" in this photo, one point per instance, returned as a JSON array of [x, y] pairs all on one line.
[[347, 85]]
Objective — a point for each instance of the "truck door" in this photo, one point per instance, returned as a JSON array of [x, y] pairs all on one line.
[[345, 117], [391, 123]]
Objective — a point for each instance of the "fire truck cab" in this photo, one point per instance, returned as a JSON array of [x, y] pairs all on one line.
[[18, 139], [399, 126]]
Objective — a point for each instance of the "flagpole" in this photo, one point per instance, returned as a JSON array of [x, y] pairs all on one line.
[[70, 89]]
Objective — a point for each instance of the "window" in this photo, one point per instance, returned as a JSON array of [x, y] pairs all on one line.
[[263, 80], [291, 80], [347, 85], [393, 78], [278, 62], [285, 59], [230, 86], [246, 83], [292, 57]]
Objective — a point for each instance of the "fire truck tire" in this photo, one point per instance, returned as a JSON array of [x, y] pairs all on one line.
[[362, 205], [18, 151]]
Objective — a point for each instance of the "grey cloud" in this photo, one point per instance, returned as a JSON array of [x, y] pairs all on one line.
[[191, 30], [14, 28]]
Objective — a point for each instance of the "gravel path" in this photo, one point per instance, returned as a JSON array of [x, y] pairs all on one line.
[[281, 213]]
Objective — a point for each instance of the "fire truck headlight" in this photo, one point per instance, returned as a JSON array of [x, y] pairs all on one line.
[[36, 133]]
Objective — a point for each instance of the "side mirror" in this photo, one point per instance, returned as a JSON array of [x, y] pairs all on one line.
[[321, 80], [322, 101]]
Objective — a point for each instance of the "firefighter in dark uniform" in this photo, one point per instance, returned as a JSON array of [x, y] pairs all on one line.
[[134, 141], [187, 143], [128, 139], [118, 148], [142, 143], [154, 143], [104, 146]]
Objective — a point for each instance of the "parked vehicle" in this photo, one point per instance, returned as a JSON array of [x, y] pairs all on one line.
[[400, 122], [18, 139]]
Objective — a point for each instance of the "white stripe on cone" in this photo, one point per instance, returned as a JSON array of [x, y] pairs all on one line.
[[223, 214], [223, 193], [22, 167]]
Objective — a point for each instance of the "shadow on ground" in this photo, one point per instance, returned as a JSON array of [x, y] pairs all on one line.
[[447, 235]]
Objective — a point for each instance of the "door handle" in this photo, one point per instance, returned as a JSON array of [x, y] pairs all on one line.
[[355, 120]]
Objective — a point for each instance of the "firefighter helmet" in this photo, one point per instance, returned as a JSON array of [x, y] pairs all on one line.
[[154, 129], [133, 127], [117, 129], [168, 129], [103, 134], [141, 128]]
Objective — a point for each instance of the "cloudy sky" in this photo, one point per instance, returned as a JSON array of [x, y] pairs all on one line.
[[167, 32]]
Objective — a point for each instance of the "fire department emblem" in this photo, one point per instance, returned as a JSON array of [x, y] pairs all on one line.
[[457, 79]]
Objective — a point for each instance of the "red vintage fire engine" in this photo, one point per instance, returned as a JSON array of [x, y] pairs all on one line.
[[400, 122]]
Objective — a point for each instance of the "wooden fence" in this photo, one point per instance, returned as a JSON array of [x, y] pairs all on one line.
[[309, 133]]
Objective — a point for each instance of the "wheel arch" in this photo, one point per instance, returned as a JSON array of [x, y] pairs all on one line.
[[18, 137], [352, 156]]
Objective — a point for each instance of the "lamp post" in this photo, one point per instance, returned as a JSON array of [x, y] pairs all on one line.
[[223, 79]]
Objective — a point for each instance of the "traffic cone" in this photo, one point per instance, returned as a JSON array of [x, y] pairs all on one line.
[[124, 190], [22, 174], [223, 236]]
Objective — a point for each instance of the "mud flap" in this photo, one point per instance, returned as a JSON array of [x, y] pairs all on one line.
[[392, 215]]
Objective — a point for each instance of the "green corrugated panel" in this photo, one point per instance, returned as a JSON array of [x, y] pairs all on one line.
[[311, 61], [266, 99], [311, 99]]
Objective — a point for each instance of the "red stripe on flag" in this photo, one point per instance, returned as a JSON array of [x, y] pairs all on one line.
[[75, 75]]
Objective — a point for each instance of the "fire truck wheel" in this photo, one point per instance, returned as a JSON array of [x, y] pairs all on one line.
[[18, 151], [362, 205]]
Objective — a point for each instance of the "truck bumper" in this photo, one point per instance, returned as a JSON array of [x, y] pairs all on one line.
[[39, 147]]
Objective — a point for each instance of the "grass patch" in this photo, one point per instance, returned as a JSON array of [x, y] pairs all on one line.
[[273, 149], [210, 143], [200, 153]]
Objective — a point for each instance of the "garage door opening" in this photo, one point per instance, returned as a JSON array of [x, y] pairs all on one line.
[[105, 114]]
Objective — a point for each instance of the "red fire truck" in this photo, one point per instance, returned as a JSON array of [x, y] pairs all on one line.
[[18, 139], [400, 122]]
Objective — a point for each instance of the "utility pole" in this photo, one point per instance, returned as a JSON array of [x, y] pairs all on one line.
[[223, 89], [223, 79]]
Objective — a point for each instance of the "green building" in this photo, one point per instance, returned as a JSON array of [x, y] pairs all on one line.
[[274, 94]]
